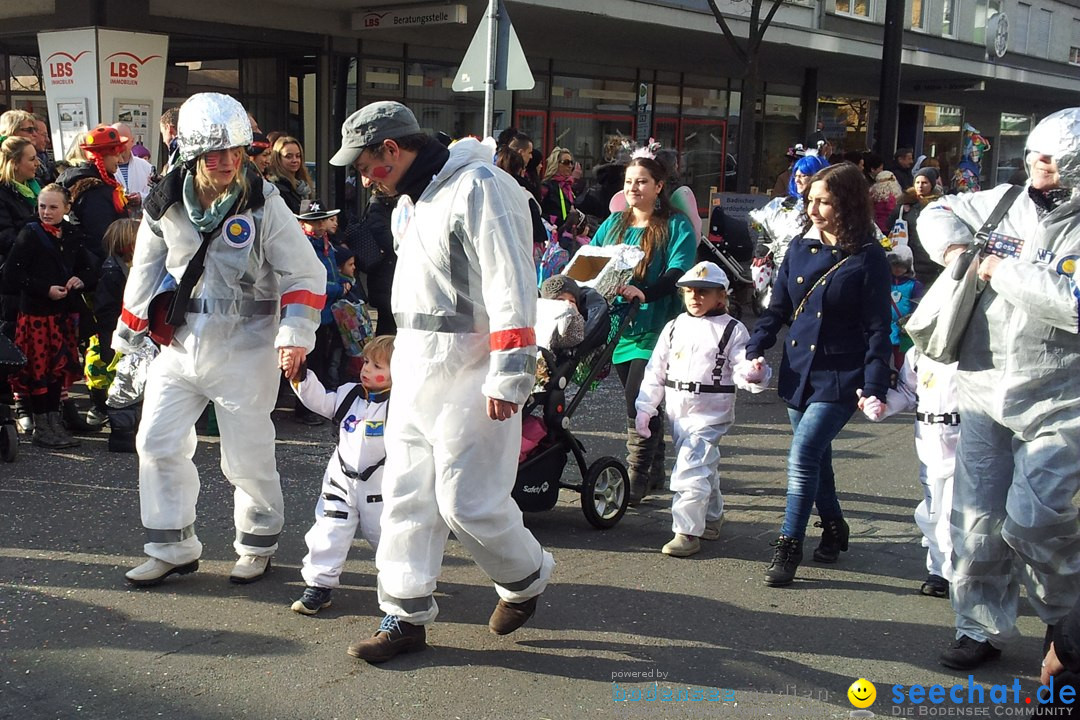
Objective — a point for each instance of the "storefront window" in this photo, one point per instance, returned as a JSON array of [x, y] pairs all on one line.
[[942, 139], [847, 122], [707, 102], [592, 94], [25, 73], [1010, 149], [220, 76], [918, 14], [381, 78]]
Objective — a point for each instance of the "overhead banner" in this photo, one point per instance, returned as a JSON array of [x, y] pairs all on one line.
[[93, 76]]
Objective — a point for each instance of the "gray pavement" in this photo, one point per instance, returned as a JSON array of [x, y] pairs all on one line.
[[77, 642]]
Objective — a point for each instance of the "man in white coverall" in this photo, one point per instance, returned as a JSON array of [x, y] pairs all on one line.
[[261, 288], [1013, 516], [464, 299]]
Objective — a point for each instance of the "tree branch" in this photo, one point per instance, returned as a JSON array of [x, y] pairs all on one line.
[[760, 34], [733, 41]]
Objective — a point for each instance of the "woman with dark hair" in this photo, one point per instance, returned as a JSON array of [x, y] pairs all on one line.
[[670, 247], [289, 173], [513, 162], [833, 290]]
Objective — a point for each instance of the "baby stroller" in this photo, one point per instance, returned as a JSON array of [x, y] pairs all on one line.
[[729, 246], [604, 488], [11, 359]]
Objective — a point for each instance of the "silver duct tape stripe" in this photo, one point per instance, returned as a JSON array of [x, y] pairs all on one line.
[[232, 307], [257, 540], [170, 536], [521, 584], [513, 363], [412, 605], [296, 310], [435, 323]]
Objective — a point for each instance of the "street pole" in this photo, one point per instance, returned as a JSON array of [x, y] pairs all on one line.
[[492, 57], [889, 95]]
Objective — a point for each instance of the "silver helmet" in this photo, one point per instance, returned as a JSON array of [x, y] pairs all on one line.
[[1058, 135], [211, 121]]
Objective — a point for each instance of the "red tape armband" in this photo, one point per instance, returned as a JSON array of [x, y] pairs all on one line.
[[133, 321], [304, 297], [511, 339]]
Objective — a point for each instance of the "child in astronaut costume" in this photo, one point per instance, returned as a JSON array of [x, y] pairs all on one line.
[[227, 339], [351, 494], [698, 361], [929, 388]]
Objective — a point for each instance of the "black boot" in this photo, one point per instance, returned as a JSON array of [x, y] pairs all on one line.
[[834, 540], [73, 420], [637, 463], [785, 561]]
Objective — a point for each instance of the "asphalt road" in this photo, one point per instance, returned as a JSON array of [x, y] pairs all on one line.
[[77, 642]]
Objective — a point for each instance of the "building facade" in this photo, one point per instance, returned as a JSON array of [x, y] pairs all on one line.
[[303, 66]]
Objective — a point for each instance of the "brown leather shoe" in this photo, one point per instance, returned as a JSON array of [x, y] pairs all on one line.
[[393, 637], [508, 616]]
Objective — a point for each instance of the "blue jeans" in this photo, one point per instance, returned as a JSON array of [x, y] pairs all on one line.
[[810, 472]]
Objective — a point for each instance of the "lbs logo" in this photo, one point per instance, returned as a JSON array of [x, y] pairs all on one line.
[[62, 67], [124, 67]]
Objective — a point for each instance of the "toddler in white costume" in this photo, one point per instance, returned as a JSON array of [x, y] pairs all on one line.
[[929, 388], [351, 494], [694, 369]]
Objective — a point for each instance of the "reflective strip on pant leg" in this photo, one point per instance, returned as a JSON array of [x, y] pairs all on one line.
[[258, 540], [521, 584], [170, 536], [336, 514], [411, 605]]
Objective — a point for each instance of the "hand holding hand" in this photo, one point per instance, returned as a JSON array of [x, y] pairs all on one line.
[[871, 407], [641, 424], [754, 371], [500, 409], [289, 361]]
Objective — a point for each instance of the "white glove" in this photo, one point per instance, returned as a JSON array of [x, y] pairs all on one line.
[[641, 424], [872, 408], [752, 371]]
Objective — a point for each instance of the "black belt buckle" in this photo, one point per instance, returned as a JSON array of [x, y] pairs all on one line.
[[687, 386]]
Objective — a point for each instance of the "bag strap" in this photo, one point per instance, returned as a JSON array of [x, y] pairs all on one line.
[[721, 348], [982, 236], [821, 280], [343, 409], [175, 315]]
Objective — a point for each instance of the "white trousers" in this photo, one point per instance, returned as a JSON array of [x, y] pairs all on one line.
[[936, 448], [242, 383], [449, 468], [695, 479], [344, 505]]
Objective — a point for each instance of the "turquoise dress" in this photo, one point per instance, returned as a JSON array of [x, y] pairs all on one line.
[[679, 253]]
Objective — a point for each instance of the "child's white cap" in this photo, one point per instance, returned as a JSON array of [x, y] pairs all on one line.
[[704, 275]]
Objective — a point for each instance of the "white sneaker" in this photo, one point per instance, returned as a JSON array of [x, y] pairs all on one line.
[[712, 529], [249, 568], [153, 571], [681, 546]]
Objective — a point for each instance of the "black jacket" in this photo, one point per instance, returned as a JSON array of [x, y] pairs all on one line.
[[108, 301], [38, 261], [288, 193], [15, 212], [92, 205]]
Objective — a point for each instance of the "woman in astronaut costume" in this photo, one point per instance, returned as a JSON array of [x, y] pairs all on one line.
[[1019, 398], [258, 265]]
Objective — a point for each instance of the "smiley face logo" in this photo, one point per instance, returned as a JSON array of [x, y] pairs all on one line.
[[862, 693]]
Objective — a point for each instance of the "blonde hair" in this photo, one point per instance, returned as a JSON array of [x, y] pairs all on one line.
[[10, 152], [75, 155], [551, 165], [12, 119], [204, 183], [379, 349], [119, 237], [277, 169]]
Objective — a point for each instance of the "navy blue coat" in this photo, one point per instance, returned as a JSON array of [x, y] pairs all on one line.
[[840, 341]]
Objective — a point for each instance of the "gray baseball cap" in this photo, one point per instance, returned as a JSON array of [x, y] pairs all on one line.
[[371, 124]]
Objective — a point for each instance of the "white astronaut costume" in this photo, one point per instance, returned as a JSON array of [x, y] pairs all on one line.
[[259, 266], [465, 313], [1020, 401], [351, 493], [692, 371], [929, 388]]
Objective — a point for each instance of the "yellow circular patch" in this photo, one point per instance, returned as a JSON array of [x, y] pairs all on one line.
[[862, 693]]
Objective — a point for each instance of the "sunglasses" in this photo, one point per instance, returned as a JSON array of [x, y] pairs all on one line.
[[566, 162], [28, 129]]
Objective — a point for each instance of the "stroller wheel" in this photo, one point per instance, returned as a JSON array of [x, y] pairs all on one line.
[[605, 492], [9, 442]]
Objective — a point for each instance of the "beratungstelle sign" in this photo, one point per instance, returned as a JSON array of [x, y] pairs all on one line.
[[417, 16]]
